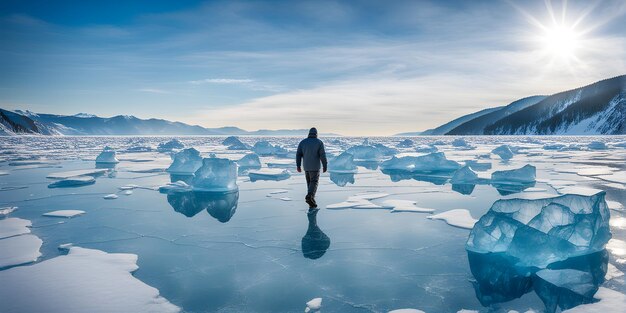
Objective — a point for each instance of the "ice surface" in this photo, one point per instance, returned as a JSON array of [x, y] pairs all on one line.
[[74, 173], [75, 181], [4, 211], [186, 162], [406, 311], [522, 175], [619, 177], [612, 272], [384, 150], [14, 226], [365, 153], [85, 280], [264, 148], [110, 196], [172, 145], [464, 175], [313, 305], [566, 226], [269, 174], [458, 217], [597, 145], [405, 206], [250, 160], [360, 201], [434, 162], [107, 156], [17, 250], [343, 163], [4, 173], [504, 152], [611, 301], [617, 247], [216, 175], [64, 213], [565, 288]]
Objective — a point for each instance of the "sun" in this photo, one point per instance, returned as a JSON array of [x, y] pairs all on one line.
[[561, 41]]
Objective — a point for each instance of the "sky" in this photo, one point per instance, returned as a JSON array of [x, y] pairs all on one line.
[[347, 67]]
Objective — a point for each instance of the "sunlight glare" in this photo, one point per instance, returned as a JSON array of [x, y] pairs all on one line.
[[561, 41]]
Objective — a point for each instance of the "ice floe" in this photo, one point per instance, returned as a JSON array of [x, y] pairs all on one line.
[[405, 206], [14, 226], [107, 156], [365, 153], [406, 143], [64, 213], [76, 181], [216, 175], [504, 152], [250, 160], [17, 250], [186, 162], [522, 175], [110, 196], [264, 148], [84, 280], [269, 174], [458, 217], [568, 226], [313, 305], [343, 163], [434, 162]]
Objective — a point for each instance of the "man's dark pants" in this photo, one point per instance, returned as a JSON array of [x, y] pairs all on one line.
[[312, 180]]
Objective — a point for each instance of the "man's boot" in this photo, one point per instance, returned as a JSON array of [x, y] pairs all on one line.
[[310, 201]]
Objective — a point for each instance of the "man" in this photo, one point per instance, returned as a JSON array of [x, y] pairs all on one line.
[[312, 151]]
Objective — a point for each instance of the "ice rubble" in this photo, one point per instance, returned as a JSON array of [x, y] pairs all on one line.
[[64, 213], [566, 226], [186, 162], [384, 150], [462, 144], [611, 301], [458, 217], [504, 152], [264, 148], [313, 305], [425, 149], [75, 181], [107, 156], [170, 146], [216, 175], [84, 280], [250, 160], [406, 143], [434, 162], [269, 174], [13, 227], [597, 145], [522, 175], [343, 163]]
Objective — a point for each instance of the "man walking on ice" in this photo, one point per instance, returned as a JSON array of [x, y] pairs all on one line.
[[312, 151]]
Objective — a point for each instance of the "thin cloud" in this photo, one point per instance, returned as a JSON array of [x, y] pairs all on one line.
[[221, 81], [154, 90]]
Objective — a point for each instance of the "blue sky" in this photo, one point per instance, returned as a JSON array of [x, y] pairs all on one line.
[[351, 67]]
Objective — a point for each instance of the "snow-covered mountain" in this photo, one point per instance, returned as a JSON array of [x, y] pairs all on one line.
[[82, 124], [599, 108]]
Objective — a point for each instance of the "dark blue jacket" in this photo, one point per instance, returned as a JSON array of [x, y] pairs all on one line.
[[312, 150]]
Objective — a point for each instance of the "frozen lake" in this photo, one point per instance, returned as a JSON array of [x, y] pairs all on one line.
[[260, 249]]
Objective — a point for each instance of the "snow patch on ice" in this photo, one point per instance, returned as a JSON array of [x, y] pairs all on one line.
[[17, 250], [313, 305], [14, 226], [64, 213], [458, 217]]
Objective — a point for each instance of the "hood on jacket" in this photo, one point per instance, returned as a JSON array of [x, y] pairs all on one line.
[[313, 132]]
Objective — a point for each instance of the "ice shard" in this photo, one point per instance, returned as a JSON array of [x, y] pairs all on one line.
[[343, 163], [216, 175], [186, 162], [107, 156]]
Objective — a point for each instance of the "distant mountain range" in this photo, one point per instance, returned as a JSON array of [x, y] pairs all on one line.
[[28, 123], [596, 109]]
